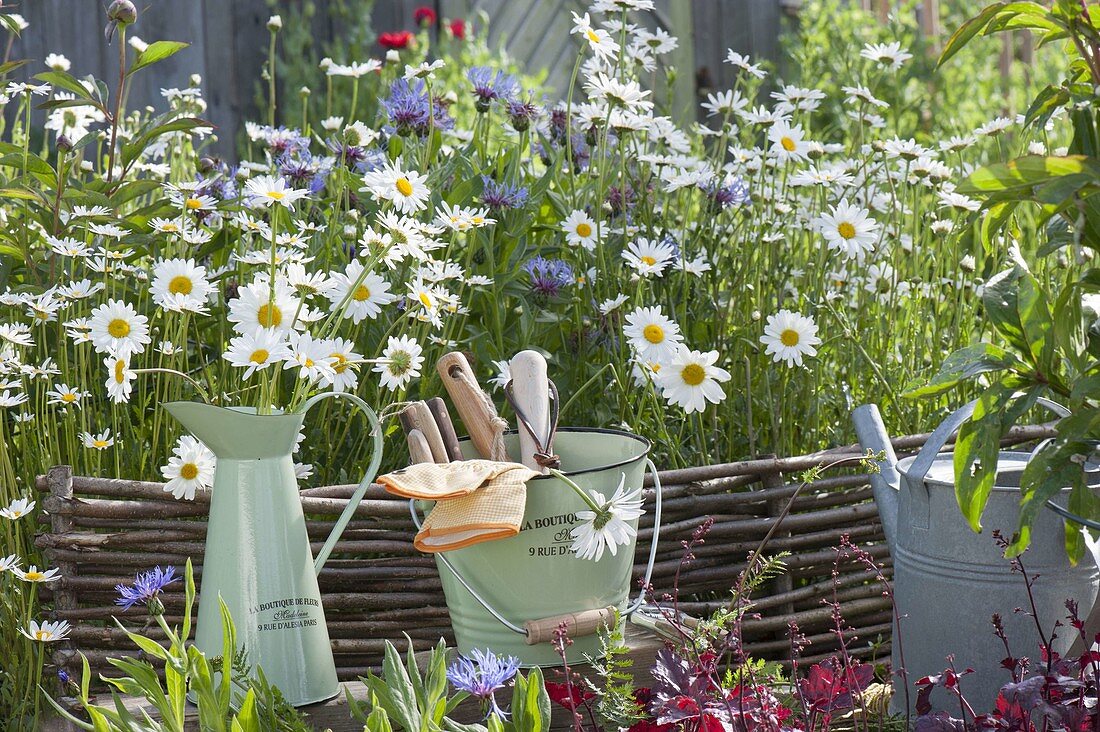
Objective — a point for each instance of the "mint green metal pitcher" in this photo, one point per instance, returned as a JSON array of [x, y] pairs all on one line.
[[258, 556]]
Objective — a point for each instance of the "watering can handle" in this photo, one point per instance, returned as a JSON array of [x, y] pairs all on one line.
[[364, 484], [582, 622], [927, 455]]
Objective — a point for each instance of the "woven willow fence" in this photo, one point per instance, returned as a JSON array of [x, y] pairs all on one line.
[[377, 586]]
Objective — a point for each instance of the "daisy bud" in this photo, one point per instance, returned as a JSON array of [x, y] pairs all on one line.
[[64, 144], [122, 12], [393, 56], [304, 92], [195, 80], [206, 164], [275, 23]]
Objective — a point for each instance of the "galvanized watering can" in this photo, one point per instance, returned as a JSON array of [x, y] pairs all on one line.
[[258, 556], [948, 580], [509, 595]]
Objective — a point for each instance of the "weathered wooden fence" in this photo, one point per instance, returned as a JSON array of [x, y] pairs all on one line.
[[229, 40]]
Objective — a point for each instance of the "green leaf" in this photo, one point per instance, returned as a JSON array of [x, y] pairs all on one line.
[[133, 149], [1001, 301], [1030, 171], [378, 721], [155, 52], [150, 646], [963, 364], [967, 31], [68, 82], [1049, 471]]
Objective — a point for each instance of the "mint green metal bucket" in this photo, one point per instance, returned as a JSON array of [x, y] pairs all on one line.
[[493, 588]]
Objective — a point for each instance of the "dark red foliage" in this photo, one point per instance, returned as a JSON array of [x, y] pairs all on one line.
[[560, 694], [829, 686]]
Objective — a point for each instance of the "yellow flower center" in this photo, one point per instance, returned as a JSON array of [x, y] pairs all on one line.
[[846, 230], [426, 300], [99, 443], [269, 315], [259, 356], [789, 337], [309, 363], [648, 260], [118, 328], [42, 635], [180, 285], [654, 333], [192, 204], [34, 576], [276, 195], [169, 227], [404, 187], [693, 374], [120, 368], [592, 36], [189, 471], [68, 398], [584, 230], [788, 144], [362, 292], [41, 315], [341, 364]]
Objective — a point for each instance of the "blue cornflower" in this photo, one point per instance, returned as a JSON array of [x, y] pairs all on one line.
[[63, 676], [302, 171], [408, 109], [482, 674], [146, 588], [724, 196], [521, 113], [502, 195], [490, 85], [548, 276]]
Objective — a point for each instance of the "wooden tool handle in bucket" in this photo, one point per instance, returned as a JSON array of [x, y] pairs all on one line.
[[585, 622]]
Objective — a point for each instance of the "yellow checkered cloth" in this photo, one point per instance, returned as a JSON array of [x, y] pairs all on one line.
[[476, 500]]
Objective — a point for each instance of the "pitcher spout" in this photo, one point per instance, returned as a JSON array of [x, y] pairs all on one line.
[[238, 433], [886, 483]]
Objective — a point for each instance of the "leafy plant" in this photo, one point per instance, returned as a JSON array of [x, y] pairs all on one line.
[[1049, 340]]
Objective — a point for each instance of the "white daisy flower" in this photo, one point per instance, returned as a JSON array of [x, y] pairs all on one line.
[[97, 442], [46, 631], [401, 362], [580, 230], [504, 373], [690, 379], [180, 284], [254, 307], [34, 574], [789, 336], [891, 55], [787, 141], [345, 365], [311, 357], [65, 396], [190, 468], [649, 257], [116, 327], [599, 40], [362, 293], [264, 190], [17, 509], [9, 563], [608, 306], [257, 350], [653, 336], [848, 229], [610, 527], [405, 189], [120, 378]]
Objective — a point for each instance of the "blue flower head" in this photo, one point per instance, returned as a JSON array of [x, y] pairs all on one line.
[[408, 109], [724, 196], [481, 675], [490, 85], [548, 276], [499, 196], [146, 587]]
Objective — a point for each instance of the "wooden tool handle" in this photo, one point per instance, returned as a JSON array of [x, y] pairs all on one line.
[[585, 622], [420, 417], [438, 408], [419, 452], [531, 393], [474, 406]]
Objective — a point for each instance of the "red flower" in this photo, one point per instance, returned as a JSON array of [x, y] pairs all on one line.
[[458, 28], [424, 15], [395, 39], [559, 694]]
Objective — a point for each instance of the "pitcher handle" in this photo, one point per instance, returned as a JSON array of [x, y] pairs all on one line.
[[526, 629], [927, 455], [364, 484]]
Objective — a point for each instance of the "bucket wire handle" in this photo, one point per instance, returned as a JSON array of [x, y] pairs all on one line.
[[364, 484], [543, 453], [442, 556], [935, 442]]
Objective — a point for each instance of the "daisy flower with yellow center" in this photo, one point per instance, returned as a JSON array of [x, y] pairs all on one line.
[[359, 294], [97, 442], [653, 336], [401, 361], [580, 230], [120, 378], [116, 327], [691, 379], [46, 631], [34, 574], [345, 364], [255, 307], [65, 396], [257, 350], [788, 336], [849, 230], [180, 284], [788, 142], [599, 40], [17, 509], [190, 468], [266, 190], [407, 190]]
